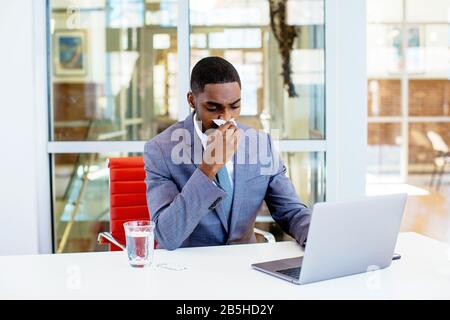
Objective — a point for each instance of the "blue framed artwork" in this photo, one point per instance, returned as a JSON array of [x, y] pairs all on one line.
[[70, 53]]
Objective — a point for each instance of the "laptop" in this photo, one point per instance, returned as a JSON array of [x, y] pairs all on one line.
[[344, 238]]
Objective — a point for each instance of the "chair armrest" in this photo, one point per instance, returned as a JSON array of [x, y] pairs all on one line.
[[106, 238], [267, 235]]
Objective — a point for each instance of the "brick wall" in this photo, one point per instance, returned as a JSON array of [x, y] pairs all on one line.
[[426, 98], [383, 133], [384, 97], [429, 97]]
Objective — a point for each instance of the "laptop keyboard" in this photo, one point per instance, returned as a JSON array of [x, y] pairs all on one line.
[[291, 272]]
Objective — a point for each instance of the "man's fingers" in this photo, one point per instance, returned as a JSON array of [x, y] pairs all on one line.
[[237, 136], [225, 126]]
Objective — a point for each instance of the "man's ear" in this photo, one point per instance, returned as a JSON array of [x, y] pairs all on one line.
[[191, 99]]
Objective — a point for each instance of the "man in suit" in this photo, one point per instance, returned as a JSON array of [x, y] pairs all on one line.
[[206, 182]]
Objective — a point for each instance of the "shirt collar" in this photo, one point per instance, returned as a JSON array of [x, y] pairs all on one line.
[[203, 137]]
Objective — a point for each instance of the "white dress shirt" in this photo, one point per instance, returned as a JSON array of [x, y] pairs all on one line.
[[204, 139]]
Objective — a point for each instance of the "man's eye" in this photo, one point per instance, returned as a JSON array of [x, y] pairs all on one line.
[[212, 108], [236, 107]]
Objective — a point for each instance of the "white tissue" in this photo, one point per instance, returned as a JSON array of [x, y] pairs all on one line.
[[220, 122]]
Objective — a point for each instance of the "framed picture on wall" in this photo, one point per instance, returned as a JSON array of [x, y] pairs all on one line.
[[70, 53]]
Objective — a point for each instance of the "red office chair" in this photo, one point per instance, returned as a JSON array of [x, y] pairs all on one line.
[[127, 198]]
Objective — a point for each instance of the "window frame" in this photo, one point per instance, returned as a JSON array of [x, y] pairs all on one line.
[[344, 86]]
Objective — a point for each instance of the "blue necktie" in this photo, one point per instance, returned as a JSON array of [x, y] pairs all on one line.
[[224, 181]]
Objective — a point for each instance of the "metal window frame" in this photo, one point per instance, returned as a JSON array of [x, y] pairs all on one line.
[[43, 94]]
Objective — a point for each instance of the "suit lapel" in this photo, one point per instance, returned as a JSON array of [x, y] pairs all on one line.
[[193, 143], [195, 149], [240, 175]]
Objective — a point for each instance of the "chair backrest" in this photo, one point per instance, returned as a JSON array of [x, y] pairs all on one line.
[[437, 142], [419, 139], [127, 195]]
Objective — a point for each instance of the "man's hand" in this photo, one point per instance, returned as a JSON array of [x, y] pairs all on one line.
[[222, 145]]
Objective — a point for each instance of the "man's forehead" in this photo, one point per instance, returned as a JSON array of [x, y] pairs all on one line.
[[223, 93]]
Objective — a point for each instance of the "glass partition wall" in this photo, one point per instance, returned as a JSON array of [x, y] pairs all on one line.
[[408, 46], [114, 82]]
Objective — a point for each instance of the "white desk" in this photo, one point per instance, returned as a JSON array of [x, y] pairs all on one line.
[[221, 273]]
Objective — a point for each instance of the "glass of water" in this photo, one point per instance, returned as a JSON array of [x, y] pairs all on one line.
[[140, 242]]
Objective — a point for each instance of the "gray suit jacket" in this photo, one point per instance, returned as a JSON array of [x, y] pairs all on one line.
[[186, 205]]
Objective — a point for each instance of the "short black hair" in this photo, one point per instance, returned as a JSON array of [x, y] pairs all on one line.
[[212, 70]]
